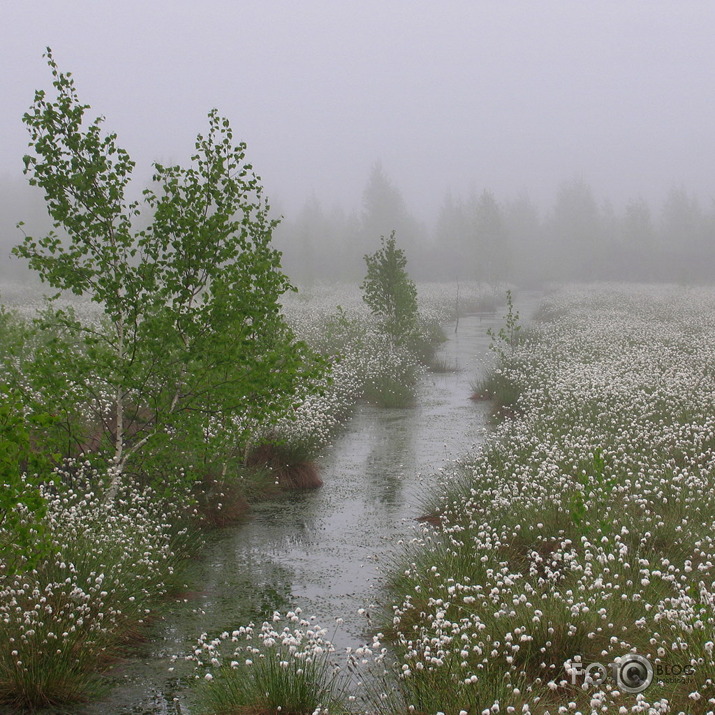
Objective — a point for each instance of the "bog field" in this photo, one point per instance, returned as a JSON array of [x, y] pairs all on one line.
[[512, 512]]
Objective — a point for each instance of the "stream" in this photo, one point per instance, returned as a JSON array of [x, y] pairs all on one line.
[[321, 550]]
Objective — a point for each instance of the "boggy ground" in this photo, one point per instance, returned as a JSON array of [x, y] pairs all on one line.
[[583, 531]]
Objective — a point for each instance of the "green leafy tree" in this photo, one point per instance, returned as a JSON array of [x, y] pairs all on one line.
[[192, 352], [389, 291]]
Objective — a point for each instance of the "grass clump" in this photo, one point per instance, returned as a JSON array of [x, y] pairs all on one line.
[[503, 383], [284, 666], [290, 466]]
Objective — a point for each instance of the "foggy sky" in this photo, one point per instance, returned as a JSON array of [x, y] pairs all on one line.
[[508, 96]]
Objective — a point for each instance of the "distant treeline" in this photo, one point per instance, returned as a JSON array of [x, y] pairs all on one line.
[[477, 237], [482, 238]]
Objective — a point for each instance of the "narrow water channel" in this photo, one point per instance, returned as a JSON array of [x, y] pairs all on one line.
[[320, 550]]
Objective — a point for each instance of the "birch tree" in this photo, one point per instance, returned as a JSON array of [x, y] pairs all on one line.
[[192, 347]]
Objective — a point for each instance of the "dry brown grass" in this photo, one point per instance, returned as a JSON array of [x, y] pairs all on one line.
[[220, 501], [289, 470]]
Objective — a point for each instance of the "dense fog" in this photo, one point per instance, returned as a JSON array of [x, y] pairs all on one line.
[[475, 235], [481, 236], [501, 141]]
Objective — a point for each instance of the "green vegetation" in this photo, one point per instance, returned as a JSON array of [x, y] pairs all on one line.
[[65, 613], [190, 347], [389, 292], [22, 508], [392, 298], [499, 384], [504, 342], [164, 382], [271, 669]]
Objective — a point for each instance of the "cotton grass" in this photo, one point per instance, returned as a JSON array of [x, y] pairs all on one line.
[[585, 527], [106, 567], [285, 665]]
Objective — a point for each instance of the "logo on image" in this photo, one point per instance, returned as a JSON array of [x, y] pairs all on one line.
[[631, 673]]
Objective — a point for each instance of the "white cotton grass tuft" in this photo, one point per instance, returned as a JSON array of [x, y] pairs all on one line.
[[286, 664]]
